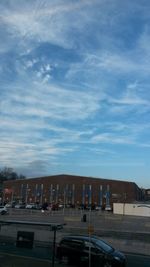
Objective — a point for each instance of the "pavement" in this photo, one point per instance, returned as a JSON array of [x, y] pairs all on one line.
[[9, 260]]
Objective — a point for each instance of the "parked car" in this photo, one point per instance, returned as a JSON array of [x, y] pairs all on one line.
[[3, 210], [98, 208], [31, 206], [10, 205], [20, 206], [77, 249]]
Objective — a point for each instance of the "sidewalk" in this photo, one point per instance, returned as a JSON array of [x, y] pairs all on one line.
[[8, 260]]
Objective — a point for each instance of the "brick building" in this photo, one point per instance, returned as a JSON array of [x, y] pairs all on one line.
[[71, 189]]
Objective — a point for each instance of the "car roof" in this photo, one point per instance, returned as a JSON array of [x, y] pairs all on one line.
[[80, 237]]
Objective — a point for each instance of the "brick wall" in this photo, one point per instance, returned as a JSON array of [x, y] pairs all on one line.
[[70, 188]]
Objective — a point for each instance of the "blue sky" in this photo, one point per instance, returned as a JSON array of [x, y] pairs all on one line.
[[75, 88]]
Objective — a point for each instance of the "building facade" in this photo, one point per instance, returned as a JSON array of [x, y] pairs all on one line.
[[147, 194], [71, 190]]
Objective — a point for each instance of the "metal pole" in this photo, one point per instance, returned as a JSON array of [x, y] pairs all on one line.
[[83, 195], [90, 237], [73, 189], [36, 189], [90, 226], [21, 194], [64, 201], [54, 243], [12, 195], [57, 192], [51, 194], [27, 187], [101, 196], [41, 198], [3, 196]]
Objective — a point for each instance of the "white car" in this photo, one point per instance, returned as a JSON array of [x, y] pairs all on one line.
[[98, 208], [31, 206], [3, 210]]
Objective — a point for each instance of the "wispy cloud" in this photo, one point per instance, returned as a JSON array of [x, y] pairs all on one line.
[[102, 151], [112, 139], [130, 97], [29, 21], [54, 102]]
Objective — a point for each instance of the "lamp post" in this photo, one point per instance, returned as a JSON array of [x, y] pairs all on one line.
[[125, 197], [90, 228], [64, 201], [41, 198]]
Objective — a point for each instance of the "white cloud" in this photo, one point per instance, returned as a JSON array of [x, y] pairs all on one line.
[[112, 139], [111, 62], [20, 152], [129, 100], [147, 145], [102, 151], [53, 102], [118, 62], [46, 78], [42, 21], [30, 63], [128, 127]]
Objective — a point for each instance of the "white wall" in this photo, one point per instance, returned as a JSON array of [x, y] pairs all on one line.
[[132, 209]]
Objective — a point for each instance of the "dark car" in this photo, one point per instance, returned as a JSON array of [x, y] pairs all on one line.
[[79, 249]]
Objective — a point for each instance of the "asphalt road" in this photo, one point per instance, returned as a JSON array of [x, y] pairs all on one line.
[[8, 260], [138, 260]]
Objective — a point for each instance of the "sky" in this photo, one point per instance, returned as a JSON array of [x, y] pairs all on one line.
[[75, 88]]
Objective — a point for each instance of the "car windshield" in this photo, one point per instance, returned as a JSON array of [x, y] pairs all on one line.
[[104, 246]]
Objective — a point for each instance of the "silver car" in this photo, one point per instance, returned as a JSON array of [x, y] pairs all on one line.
[[3, 210]]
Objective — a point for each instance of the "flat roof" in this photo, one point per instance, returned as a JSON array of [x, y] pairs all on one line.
[[56, 225]]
